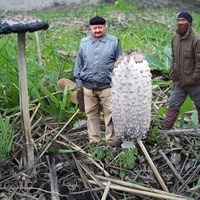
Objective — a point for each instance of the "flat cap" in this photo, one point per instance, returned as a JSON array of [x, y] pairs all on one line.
[[97, 20]]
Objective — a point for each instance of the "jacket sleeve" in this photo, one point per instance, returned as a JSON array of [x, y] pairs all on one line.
[[78, 68], [119, 50], [196, 75], [172, 73]]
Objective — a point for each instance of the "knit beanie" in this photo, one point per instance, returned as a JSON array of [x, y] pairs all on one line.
[[186, 16], [97, 20]]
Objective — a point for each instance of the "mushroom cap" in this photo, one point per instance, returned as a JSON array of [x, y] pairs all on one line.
[[63, 82], [22, 23], [131, 95]]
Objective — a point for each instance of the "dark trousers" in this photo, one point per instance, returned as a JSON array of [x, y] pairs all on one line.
[[178, 96]]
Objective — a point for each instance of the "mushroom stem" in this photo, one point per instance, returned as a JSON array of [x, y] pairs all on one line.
[[24, 103]]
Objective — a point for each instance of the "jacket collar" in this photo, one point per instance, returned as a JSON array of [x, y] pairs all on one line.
[[186, 34], [102, 39]]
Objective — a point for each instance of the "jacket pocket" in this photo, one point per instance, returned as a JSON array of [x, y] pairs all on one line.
[[188, 53]]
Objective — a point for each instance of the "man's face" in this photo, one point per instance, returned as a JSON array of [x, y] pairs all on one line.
[[98, 30], [183, 25]]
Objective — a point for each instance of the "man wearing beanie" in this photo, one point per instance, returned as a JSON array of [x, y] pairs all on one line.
[[184, 69], [95, 60]]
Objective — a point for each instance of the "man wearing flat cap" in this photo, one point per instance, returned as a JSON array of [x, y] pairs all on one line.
[[184, 69], [95, 60]]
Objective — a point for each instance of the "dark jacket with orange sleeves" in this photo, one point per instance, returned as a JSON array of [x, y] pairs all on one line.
[[185, 67]]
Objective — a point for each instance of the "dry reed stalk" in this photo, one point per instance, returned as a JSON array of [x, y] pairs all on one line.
[[141, 192], [160, 180], [75, 147], [58, 133], [106, 191], [136, 186]]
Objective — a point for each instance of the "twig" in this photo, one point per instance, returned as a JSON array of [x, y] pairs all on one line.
[[137, 186], [35, 124], [53, 180], [75, 147], [196, 171], [171, 166], [164, 187], [84, 179], [46, 96], [91, 174], [145, 193], [37, 107], [57, 135], [106, 190]]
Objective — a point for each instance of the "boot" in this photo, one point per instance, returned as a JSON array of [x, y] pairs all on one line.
[[170, 119]]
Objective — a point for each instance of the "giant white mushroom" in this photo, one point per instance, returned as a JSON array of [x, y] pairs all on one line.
[[20, 24], [131, 95]]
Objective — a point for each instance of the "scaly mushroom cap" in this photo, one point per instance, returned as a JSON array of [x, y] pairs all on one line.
[[63, 82], [131, 94], [22, 23]]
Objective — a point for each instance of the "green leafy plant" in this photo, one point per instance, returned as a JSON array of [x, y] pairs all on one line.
[[109, 155], [156, 138], [6, 136], [122, 174], [160, 62], [98, 153], [127, 158], [194, 119]]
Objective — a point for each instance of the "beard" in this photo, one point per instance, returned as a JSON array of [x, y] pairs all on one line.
[[183, 27]]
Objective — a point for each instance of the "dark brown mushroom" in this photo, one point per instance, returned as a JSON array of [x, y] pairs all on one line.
[[21, 24]]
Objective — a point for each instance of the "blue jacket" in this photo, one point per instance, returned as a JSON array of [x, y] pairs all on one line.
[[95, 61]]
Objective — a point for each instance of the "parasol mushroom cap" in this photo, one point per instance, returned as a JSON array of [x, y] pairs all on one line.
[[22, 23]]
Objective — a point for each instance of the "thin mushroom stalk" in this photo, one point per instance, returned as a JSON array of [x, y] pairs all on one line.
[[131, 95], [24, 104], [21, 24]]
